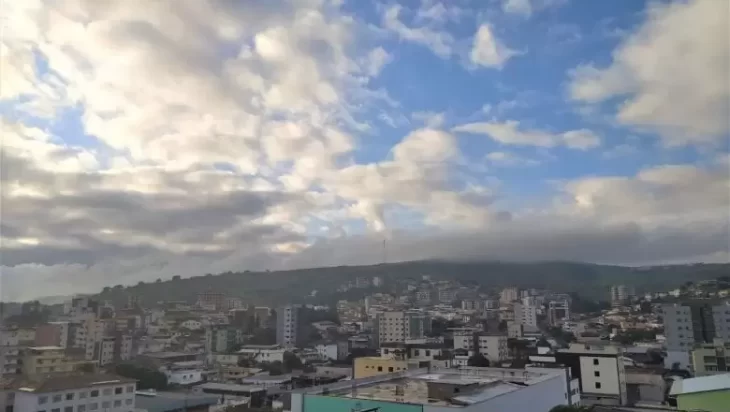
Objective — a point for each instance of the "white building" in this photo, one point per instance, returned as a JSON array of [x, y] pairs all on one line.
[[377, 281], [692, 323], [525, 315], [332, 350], [493, 347], [184, 373], [287, 326], [82, 393], [263, 353], [509, 295], [192, 324]]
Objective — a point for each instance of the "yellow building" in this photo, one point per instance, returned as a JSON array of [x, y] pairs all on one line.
[[711, 358], [371, 366], [49, 359]]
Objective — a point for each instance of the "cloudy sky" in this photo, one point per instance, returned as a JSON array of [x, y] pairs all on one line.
[[146, 139]]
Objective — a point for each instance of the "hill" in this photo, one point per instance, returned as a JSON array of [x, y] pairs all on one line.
[[271, 288]]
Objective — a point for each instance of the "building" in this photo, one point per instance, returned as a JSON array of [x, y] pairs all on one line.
[[376, 365], [54, 334], [491, 346], [707, 393], [81, 308], [599, 369], [691, 323], [211, 300], [509, 295], [332, 350], [471, 304], [525, 315], [174, 401], [423, 296], [558, 309], [447, 295], [42, 360], [231, 392], [287, 326], [711, 358], [91, 392], [377, 281], [222, 338], [621, 295], [263, 353], [398, 326], [184, 373], [440, 390], [262, 315]]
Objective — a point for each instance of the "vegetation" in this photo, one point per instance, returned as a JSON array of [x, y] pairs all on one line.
[[627, 337], [591, 281], [146, 378], [478, 360]]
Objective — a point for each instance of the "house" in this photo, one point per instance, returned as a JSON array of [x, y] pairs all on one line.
[[89, 392]]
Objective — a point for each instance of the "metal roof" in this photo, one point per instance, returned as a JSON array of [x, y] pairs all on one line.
[[701, 384]]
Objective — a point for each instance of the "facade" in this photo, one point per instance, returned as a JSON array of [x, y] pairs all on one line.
[[621, 295], [263, 353], [707, 393], [493, 347], [43, 360], [212, 300], [440, 390], [526, 314], [94, 392], [599, 369], [711, 358], [53, 334], [222, 338], [399, 326], [558, 310], [509, 295], [691, 323], [287, 326], [371, 365]]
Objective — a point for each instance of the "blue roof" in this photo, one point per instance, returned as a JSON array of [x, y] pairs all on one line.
[[171, 401]]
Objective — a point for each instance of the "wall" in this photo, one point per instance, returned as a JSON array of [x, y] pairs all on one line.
[[717, 401], [319, 403], [608, 379], [371, 366]]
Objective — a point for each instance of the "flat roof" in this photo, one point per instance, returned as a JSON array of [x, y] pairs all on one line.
[[701, 384], [229, 387], [66, 382], [162, 355], [173, 401], [45, 347]]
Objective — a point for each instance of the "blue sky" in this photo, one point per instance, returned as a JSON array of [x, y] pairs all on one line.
[[262, 131]]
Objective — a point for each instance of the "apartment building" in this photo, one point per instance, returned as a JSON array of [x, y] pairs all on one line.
[[711, 358], [287, 326], [398, 326], [690, 323], [509, 295], [42, 360], [222, 338], [525, 313], [80, 393], [599, 369]]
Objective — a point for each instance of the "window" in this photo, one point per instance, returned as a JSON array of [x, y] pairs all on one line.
[[416, 352], [595, 361], [428, 353], [597, 374], [81, 408], [117, 403], [93, 406], [82, 395], [128, 401], [598, 385], [57, 398], [68, 409], [42, 400], [70, 396], [94, 394], [56, 410], [105, 404], [390, 369], [118, 391], [107, 391], [380, 368]]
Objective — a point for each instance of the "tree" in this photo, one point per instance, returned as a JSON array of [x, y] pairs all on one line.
[[478, 360], [291, 362], [146, 378]]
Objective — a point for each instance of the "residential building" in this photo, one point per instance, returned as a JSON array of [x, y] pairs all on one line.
[[377, 281], [690, 323], [212, 300], [398, 326], [599, 369], [711, 358], [515, 330], [287, 326], [558, 309], [375, 365], [222, 338], [509, 295], [332, 350], [493, 347], [82, 393], [707, 393], [439, 390], [263, 353], [184, 373], [176, 401], [42, 360], [81, 308], [54, 334], [423, 296], [525, 315], [471, 304], [447, 295]]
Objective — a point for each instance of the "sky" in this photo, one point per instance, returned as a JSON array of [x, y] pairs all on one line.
[[143, 140]]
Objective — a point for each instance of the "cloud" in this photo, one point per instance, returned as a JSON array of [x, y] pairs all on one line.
[[488, 51], [377, 59], [508, 159], [521, 7], [509, 132], [439, 41], [669, 76]]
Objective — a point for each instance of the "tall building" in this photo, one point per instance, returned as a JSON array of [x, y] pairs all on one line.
[[691, 323], [509, 295], [397, 326], [526, 314], [711, 358], [287, 326], [621, 295], [212, 300], [222, 338], [558, 309]]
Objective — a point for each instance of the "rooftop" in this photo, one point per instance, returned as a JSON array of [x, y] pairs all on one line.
[[173, 401], [45, 348], [165, 355], [417, 386], [228, 387], [701, 384], [65, 382]]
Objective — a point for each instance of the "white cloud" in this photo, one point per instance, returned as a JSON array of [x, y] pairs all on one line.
[[521, 7], [488, 51], [430, 119], [671, 74], [509, 159], [439, 41], [510, 132], [377, 59]]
